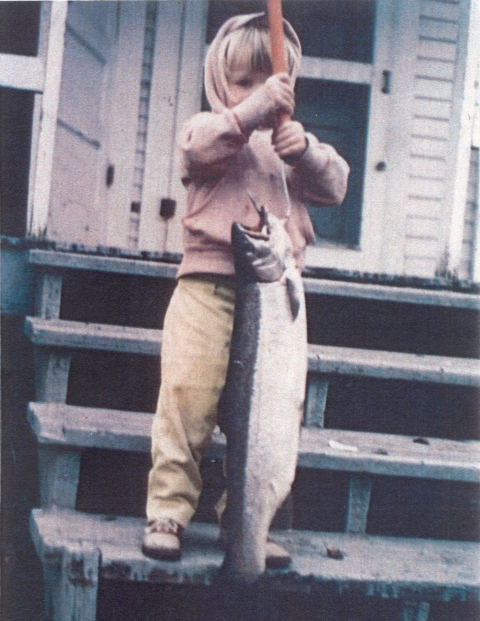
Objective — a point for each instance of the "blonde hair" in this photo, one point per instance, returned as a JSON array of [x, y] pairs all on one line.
[[248, 48]]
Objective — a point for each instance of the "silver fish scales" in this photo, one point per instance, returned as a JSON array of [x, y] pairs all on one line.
[[262, 404]]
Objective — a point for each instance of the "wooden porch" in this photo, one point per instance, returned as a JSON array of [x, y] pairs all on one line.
[[81, 548]]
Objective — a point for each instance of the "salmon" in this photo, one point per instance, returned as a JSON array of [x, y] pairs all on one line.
[[262, 404]]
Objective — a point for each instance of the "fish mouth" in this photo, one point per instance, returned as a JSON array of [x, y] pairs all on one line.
[[250, 243], [256, 254], [254, 234]]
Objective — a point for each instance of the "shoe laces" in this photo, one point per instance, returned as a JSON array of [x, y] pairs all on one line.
[[165, 525]]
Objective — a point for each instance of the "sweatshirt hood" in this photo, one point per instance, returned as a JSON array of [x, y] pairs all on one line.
[[215, 86]]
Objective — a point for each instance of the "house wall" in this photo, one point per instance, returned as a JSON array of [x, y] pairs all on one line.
[[439, 74], [417, 244], [466, 268], [431, 127]]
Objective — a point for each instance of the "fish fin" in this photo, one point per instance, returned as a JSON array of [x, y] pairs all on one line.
[[293, 296]]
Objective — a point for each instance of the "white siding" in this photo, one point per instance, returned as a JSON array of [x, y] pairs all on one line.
[[142, 125], [471, 213], [431, 133]]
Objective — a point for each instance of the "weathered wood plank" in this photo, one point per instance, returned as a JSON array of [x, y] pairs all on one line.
[[358, 504], [22, 72], [322, 358], [41, 176], [437, 50], [114, 265], [421, 247], [316, 401], [332, 449], [422, 266], [393, 365], [434, 570], [90, 427], [464, 95], [382, 293], [422, 226], [48, 294], [428, 147], [59, 469], [434, 89], [77, 593], [423, 207], [441, 30], [336, 70], [436, 109], [393, 455], [440, 10], [102, 337], [157, 269], [436, 68], [433, 128], [52, 368], [415, 611]]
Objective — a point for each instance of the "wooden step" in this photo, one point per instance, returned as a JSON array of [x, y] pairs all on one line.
[[102, 337], [161, 269], [97, 263], [321, 358], [387, 567], [374, 453], [393, 365]]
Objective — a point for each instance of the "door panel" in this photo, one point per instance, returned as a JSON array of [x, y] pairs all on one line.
[[72, 198], [342, 29], [126, 121], [175, 96], [78, 106], [337, 113], [78, 190]]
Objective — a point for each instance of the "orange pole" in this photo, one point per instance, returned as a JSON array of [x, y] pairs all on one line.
[[277, 45]]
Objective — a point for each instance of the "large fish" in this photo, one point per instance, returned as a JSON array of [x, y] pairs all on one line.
[[262, 402]]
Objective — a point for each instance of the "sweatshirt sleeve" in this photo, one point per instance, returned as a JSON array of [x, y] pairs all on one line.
[[210, 139], [207, 141], [321, 174]]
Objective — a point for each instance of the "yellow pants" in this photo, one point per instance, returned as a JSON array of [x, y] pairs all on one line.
[[195, 351]]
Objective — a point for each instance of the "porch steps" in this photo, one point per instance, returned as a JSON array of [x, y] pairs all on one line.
[[78, 548], [56, 262], [321, 358], [60, 425], [371, 566]]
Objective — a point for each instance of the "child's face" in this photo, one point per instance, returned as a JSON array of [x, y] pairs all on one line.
[[242, 82]]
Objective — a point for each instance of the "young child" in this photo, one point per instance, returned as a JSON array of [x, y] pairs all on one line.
[[235, 149]]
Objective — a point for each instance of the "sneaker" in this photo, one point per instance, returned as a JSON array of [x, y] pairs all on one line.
[[161, 540], [277, 557]]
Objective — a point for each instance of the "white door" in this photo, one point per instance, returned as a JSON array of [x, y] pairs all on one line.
[[176, 92], [155, 86], [344, 96], [128, 120], [78, 182]]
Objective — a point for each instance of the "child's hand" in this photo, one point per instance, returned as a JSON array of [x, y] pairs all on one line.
[[289, 141], [261, 106], [281, 91]]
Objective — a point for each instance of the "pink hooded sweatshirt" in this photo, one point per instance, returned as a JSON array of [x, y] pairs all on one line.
[[225, 154]]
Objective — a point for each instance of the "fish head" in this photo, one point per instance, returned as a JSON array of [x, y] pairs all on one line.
[[263, 253]]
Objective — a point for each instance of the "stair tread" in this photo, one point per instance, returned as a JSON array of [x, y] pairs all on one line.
[[333, 449], [371, 565], [163, 269], [321, 358]]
